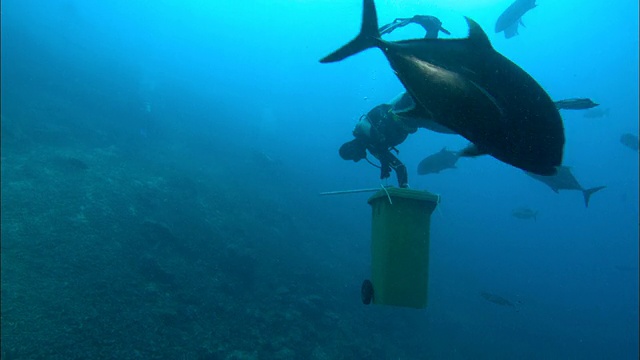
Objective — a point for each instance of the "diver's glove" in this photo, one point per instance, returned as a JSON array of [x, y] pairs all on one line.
[[385, 171]]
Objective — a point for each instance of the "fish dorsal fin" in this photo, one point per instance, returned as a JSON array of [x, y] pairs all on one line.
[[444, 149], [476, 34]]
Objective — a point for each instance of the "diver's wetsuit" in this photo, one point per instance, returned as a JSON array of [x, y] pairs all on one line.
[[385, 133]]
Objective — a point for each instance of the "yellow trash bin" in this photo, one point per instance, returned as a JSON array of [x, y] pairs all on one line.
[[400, 247]]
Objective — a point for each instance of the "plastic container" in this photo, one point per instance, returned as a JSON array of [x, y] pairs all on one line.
[[400, 246]]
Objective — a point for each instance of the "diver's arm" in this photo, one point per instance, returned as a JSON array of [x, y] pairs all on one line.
[[387, 162], [401, 172]]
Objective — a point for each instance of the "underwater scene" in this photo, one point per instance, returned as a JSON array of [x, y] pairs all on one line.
[[328, 179]]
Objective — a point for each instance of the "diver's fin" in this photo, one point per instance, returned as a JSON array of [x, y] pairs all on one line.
[[588, 192], [398, 22], [367, 38], [385, 29]]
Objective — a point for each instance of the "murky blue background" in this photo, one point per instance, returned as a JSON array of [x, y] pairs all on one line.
[[161, 164]]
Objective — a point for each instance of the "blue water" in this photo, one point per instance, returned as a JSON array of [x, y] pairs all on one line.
[[161, 164]]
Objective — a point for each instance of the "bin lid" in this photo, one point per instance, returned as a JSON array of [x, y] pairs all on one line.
[[405, 193]]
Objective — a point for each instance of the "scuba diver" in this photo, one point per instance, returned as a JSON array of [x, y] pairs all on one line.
[[379, 131], [430, 24], [382, 129]]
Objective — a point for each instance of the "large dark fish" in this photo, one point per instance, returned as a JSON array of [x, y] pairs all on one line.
[[630, 141], [403, 103], [496, 299], [564, 180], [576, 104], [469, 88], [442, 160], [512, 16]]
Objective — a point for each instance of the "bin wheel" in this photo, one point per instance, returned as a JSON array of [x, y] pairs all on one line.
[[366, 292]]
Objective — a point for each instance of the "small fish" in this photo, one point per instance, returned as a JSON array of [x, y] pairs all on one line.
[[69, 164], [496, 299], [576, 104], [512, 30], [630, 141], [564, 180], [596, 113], [442, 160], [626, 268], [366, 292], [524, 213], [512, 16]]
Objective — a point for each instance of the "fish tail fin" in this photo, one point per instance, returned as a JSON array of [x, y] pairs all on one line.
[[588, 192], [368, 37]]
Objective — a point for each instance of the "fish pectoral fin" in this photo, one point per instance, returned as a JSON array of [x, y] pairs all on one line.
[[409, 108], [471, 151], [413, 112], [521, 23], [489, 97]]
